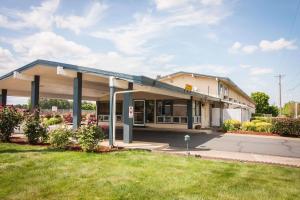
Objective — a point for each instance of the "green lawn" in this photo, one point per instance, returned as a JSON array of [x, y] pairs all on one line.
[[33, 172]]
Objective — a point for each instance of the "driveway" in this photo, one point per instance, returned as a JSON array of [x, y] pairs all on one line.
[[210, 140]]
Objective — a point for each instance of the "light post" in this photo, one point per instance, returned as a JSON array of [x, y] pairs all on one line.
[[187, 138]]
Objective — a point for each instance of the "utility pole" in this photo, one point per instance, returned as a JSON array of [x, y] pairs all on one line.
[[280, 76], [296, 110]]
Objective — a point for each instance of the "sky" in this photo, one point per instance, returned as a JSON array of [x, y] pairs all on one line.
[[249, 41]]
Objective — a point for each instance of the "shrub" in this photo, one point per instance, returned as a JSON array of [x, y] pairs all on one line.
[[68, 118], [57, 116], [231, 125], [9, 119], [264, 119], [248, 126], [263, 127], [34, 130], [92, 119], [89, 137], [255, 121], [286, 126], [52, 121], [59, 138], [48, 115]]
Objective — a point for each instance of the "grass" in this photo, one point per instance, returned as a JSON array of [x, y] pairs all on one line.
[[35, 172]]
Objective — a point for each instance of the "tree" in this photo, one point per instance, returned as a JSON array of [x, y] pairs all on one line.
[[261, 100], [289, 109], [88, 106], [273, 110]]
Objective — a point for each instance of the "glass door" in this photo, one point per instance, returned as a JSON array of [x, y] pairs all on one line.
[[139, 113]]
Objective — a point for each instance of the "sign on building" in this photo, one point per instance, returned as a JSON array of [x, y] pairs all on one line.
[[130, 112], [54, 108], [188, 87]]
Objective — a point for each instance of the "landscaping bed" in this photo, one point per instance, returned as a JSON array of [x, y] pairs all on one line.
[[264, 126], [252, 133]]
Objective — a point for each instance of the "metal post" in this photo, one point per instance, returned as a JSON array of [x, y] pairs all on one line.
[[190, 113], [77, 96], [97, 111], [3, 97], [111, 110], [128, 122], [35, 92]]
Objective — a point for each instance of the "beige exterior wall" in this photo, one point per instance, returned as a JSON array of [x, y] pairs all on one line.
[[205, 115], [237, 96], [207, 85], [204, 85]]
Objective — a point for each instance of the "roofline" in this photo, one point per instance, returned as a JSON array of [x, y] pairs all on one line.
[[136, 79], [212, 76], [67, 66]]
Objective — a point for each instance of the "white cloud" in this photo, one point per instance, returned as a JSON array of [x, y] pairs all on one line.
[[40, 17], [212, 2], [264, 45], [174, 4], [276, 45], [203, 69], [7, 60], [163, 4], [47, 45], [132, 38], [41, 46], [249, 49], [162, 59], [235, 47], [44, 17], [260, 71], [76, 23], [245, 66]]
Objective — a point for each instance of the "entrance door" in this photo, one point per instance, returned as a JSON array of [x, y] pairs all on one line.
[[139, 113]]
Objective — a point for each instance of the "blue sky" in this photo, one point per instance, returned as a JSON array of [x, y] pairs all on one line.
[[248, 41]]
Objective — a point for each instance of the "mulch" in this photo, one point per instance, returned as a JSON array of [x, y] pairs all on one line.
[[73, 147], [253, 133]]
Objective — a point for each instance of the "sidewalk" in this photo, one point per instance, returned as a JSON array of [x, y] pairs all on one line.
[[245, 157]]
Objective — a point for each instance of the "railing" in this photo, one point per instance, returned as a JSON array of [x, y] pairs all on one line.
[[105, 118], [176, 119]]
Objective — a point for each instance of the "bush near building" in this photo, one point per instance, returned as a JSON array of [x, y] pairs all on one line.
[[231, 125], [60, 138], [35, 131], [286, 126], [280, 126], [10, 118]]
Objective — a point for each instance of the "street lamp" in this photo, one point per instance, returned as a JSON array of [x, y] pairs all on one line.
[[187, 138]]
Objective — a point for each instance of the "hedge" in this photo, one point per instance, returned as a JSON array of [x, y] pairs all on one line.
[[286, 126]]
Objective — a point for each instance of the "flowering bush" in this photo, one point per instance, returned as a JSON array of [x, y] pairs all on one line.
[[92, 119], [68, 118], [52, 121], [89, 137], [248, 126], [286, 126], [59, 138], [231, 125], [9, 119], [35, 130]]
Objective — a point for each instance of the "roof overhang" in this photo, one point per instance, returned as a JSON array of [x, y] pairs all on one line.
[[56, 81]]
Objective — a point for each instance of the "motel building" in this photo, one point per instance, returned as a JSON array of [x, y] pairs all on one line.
[[181, 100]]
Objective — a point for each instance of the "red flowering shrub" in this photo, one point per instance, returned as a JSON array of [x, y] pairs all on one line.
[[92, 119], [286, 126], [68, 118], [10, 117]]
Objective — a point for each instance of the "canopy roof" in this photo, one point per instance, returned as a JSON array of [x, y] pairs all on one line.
[[56, 81]]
